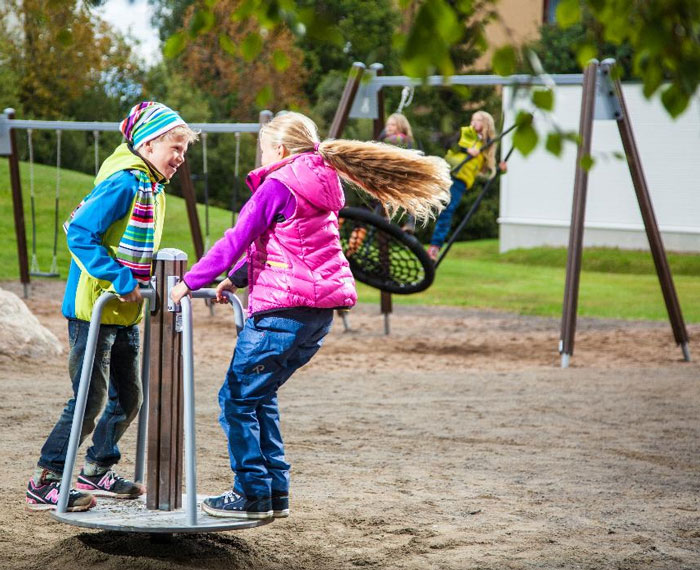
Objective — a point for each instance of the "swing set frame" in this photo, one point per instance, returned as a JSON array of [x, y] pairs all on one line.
[[8, 147], [602, 98]]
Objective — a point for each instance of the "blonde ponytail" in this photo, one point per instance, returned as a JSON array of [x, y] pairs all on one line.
[[397, 177]]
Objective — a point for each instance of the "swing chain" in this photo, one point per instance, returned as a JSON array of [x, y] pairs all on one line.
[[406, 97]]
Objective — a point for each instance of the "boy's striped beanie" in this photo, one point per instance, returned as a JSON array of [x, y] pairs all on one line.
[[147, 121]]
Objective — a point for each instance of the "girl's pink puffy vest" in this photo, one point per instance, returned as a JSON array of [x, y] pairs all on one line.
[[299, 262]]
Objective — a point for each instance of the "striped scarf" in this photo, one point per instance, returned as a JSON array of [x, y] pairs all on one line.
[[135, 249]]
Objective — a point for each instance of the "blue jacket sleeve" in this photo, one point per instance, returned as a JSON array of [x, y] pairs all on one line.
[[108, 202]]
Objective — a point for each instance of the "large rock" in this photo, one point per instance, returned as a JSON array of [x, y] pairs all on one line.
[[22, 336]]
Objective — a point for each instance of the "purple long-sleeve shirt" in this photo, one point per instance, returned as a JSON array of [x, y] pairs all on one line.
[[264, 208]]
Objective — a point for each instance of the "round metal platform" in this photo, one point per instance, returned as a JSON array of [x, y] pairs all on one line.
[[133, 516]]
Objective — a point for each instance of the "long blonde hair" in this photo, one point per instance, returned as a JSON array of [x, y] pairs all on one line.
[[488, 133], [397, 177]]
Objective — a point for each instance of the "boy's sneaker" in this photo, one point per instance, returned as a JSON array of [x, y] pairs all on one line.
[[110, 485], [280, 505], [235, 506], [44, 497]]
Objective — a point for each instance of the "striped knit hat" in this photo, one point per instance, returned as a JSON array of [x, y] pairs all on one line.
[[147, 121]]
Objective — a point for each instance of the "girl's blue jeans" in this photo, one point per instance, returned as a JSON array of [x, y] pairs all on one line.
[[115, 380], [444, 220], [270, 348]]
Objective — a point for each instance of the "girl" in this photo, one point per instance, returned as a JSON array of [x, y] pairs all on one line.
[[397, 131], [466, 163], [297, 275]]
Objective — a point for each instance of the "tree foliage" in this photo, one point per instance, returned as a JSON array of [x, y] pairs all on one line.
[[664, 36], [238, 64]]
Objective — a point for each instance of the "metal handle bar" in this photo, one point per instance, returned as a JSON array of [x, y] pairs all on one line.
[[238, 311], [149, 296]]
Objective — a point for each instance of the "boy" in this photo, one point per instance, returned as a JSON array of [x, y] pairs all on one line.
[[111, 235]]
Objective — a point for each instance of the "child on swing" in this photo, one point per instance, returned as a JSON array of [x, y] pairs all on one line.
[[297, 275], [467, 162]]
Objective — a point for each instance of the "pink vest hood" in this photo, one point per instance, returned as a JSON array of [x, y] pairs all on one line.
[[299, 262]]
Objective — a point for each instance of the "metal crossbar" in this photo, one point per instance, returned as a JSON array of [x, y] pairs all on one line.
[[99, 126]]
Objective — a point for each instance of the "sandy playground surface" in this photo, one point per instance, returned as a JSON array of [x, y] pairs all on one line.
[[456, 442]]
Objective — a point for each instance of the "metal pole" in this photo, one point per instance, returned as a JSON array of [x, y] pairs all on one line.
[[265, 117], [81, 401], [149, 296], [18, 208], [341, 114], [188, 388], [656, 245], [578, 212]]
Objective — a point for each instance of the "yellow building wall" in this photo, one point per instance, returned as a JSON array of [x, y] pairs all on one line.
[[519, 22]]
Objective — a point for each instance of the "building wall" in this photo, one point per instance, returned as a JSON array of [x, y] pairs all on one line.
[[537, 192], [520, 23]]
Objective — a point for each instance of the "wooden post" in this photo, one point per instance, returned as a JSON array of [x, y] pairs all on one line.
[[190, 196], [18, 208], [165, 402], [341, 114], [385, 302], [656, 245], [578, 212]]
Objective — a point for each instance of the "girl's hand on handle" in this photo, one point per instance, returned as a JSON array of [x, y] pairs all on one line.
[[473, 151], [503, 166], [225, 285], [133, 297], [179, 291]]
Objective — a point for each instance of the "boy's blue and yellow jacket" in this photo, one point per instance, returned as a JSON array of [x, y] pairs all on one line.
[[94, 234]]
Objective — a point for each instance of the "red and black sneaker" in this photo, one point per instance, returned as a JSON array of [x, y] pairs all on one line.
[[110, 485], [44, 497]]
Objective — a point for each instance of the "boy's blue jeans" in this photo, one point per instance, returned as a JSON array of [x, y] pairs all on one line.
[[115, 379], [444, 220], [270, 348]]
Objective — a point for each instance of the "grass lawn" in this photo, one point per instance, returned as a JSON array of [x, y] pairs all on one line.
[[614, 283]]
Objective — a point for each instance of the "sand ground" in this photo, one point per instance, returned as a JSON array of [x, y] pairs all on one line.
[[455, 442]]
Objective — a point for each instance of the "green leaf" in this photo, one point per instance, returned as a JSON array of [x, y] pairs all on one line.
[[280, 60], [587, 162], [227, 45], [568, 13], [434, 31], [674, 100], [251, 46], [543, 99], [585, 53], [554, 143], [175, 44], [263, 97], [201, 23], [525, 138], [504, 60]]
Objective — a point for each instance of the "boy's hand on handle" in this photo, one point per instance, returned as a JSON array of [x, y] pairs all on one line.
[[133, 297], [503, 166], [225, 285], [473, 151], [179, 291]]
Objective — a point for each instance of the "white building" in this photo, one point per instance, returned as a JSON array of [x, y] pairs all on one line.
[[537, 192]]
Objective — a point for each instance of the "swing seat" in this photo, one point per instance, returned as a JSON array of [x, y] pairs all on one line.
[[44, 274]]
